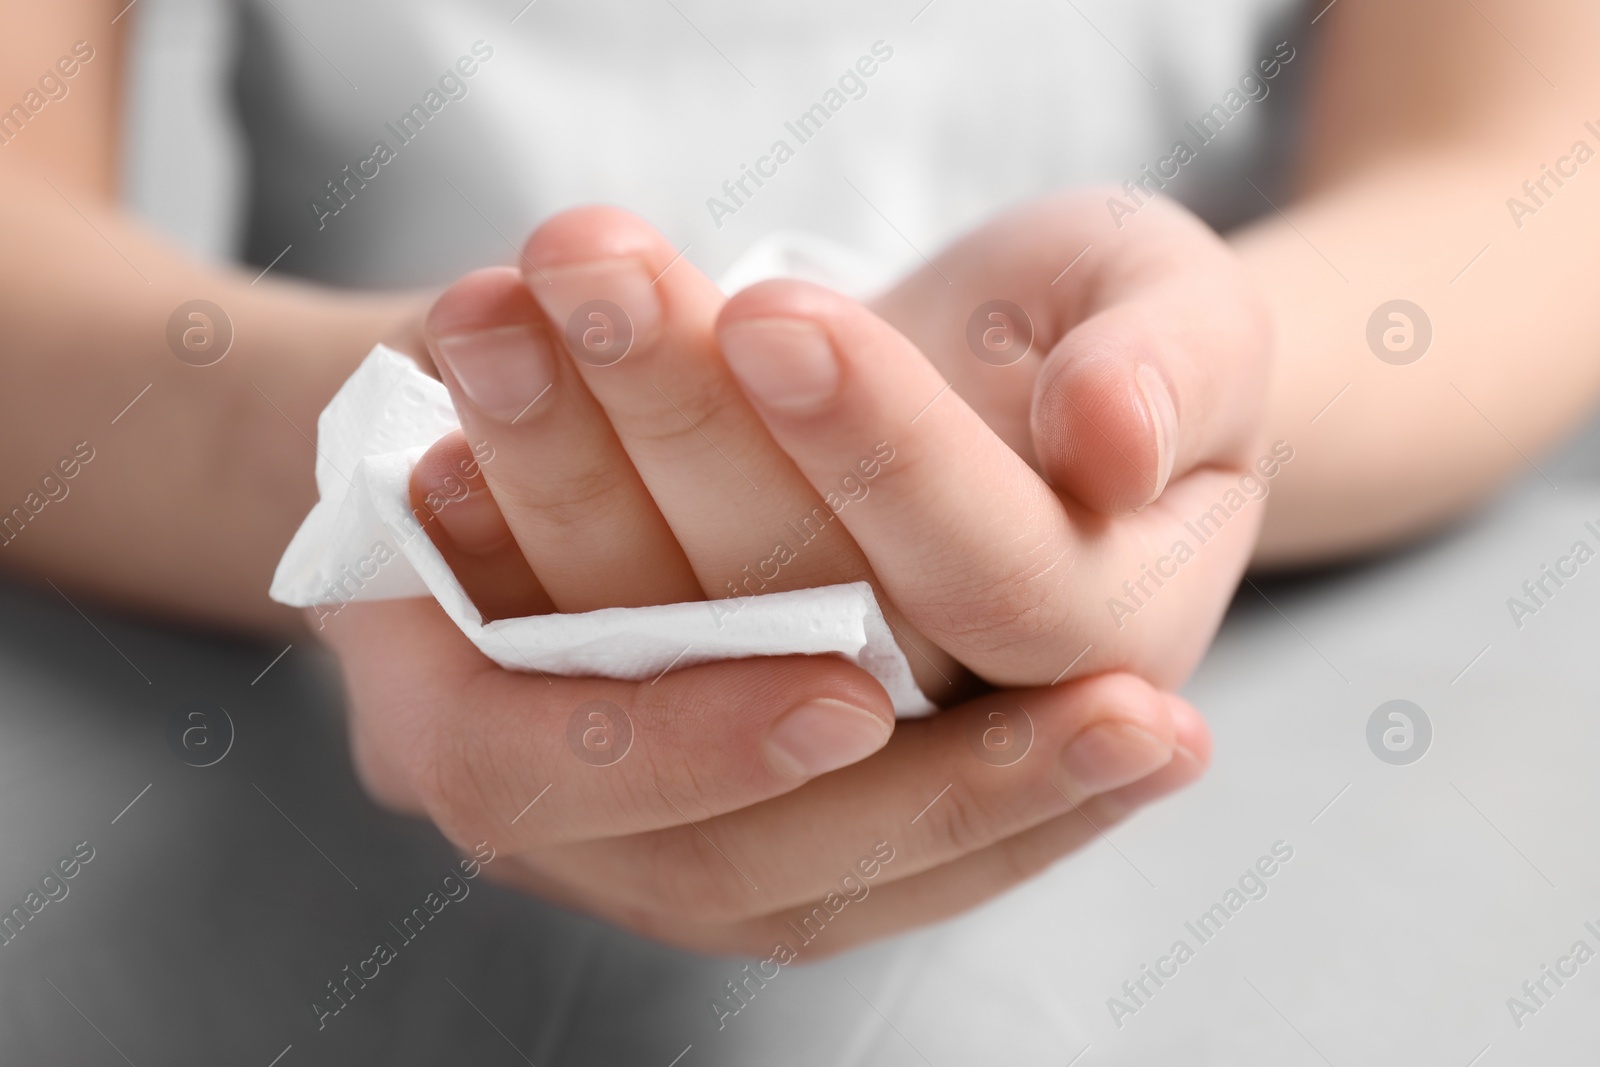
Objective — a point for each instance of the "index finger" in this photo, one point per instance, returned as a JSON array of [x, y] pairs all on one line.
[[529, 760]]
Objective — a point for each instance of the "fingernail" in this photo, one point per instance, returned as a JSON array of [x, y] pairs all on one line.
[[1184, 770], [1192, 767], [1164, 415], [1107, 756], [603, 309], [474, 523], [823, 736], [783, 363], [502, 371]]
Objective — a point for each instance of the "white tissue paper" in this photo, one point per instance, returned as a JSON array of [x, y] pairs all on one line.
[[362, 542]]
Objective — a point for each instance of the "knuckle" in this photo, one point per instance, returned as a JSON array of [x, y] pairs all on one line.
[[680, 418], [691, 879], [1011, 609], [454, 780], [671, 747], [962, 821], [1017, 860], [577, 498], [916, 473], [672, 775]]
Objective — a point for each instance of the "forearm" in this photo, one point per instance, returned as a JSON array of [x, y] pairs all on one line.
[[1411, 154], [194, 489], [1383, 451]]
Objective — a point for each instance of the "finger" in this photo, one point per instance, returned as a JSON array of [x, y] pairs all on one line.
[[570, 497], [1167, 371], [1149, 345], [728, 492], [965, 883], [878, 909], [944, 788], [526, 761], [967, 540], [470, 532], [747, 519]]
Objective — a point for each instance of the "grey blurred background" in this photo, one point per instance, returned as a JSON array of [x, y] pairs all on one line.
[[220, 899]]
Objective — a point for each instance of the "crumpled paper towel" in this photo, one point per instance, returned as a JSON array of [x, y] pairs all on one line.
[[362, 542]]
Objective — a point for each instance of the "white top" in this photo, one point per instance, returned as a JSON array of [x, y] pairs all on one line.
[[924, 119]]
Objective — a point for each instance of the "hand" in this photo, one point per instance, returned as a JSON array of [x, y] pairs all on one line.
[[1090, 503], [712, 831], [675, 839], [1086, 508]]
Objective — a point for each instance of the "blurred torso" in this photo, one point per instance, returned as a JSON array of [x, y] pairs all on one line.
[[664, 108]]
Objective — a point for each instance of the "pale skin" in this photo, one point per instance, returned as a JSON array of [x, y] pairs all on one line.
[[1423, 121]]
